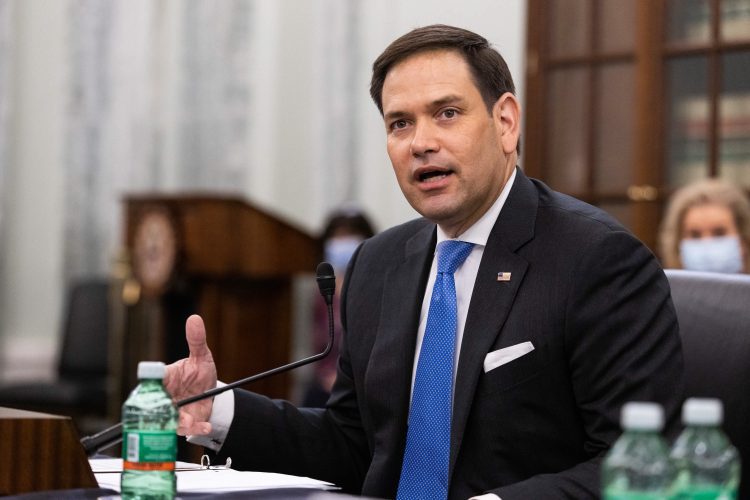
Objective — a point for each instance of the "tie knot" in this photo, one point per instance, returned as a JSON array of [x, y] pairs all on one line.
[[451, 254]]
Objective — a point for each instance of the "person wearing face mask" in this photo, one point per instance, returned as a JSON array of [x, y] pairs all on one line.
[[345, 229], [707, 228]]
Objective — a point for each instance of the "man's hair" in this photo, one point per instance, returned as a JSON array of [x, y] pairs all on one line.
[[488, 68]]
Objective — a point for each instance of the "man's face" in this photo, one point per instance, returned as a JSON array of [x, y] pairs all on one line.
[[449, 153]]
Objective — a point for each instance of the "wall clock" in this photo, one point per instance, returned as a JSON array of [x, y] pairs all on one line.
[[154, 250]]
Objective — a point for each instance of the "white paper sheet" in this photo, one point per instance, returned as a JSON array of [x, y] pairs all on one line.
[[193, 478]]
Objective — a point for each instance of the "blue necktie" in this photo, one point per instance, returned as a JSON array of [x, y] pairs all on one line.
[[424, 473]]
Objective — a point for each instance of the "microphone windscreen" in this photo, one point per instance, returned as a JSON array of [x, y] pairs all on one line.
[[326, 279]]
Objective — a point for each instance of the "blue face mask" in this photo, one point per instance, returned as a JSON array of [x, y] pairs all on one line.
[[340, 249], [719, 255]]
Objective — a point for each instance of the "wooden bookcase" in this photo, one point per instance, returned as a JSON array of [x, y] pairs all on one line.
[[628, 100]]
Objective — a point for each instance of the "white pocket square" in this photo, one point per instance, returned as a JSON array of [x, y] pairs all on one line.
[[506, 355]]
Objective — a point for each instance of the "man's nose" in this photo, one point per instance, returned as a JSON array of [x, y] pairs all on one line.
[[424, 140]]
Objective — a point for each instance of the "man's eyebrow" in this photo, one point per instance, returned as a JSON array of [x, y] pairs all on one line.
[[449, 99], [437, 103], [394, 115]]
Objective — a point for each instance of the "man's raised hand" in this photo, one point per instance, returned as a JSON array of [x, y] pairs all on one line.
[[190, 376]]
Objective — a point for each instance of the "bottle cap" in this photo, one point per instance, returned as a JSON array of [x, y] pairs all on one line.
[[151, 369], [642, 416], [698, 411]]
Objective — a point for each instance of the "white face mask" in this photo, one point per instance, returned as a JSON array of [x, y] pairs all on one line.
[[719, 255], [340, 249]]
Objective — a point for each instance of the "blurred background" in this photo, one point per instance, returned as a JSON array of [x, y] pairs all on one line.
[[186, 153], [165, 157]]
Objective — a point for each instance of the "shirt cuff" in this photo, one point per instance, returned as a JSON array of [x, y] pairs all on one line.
[[486, 496], [222, 414]]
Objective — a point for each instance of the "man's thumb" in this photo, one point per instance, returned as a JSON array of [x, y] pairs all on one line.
[[195, 333]]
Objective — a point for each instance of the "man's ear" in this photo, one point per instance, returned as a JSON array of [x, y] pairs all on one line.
[[507, 116]]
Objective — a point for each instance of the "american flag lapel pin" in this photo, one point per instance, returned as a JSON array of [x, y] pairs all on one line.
[[503, 276]]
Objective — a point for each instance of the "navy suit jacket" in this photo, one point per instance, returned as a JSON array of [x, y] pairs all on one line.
[[589, 296]]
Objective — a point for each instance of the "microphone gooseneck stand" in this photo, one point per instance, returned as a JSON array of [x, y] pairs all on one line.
[[326, 283]]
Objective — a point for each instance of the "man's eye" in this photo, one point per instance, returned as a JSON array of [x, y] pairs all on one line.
[[449, 113], [398, 124]]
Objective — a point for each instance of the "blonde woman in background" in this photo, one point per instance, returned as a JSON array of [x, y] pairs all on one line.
[[707, 228]]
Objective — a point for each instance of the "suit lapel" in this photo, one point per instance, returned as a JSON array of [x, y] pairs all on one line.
[[392, 357], [491, 299]]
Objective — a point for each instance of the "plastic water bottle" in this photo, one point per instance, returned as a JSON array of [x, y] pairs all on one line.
[[708, 466], [149, 440], [638, 465]]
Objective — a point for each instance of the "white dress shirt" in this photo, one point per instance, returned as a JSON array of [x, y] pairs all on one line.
[[465, 276]]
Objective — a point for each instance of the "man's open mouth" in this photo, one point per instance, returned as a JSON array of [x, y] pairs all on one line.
[[433, 175]]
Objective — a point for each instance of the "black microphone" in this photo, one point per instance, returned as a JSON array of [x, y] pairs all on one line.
[[326, 281], [326, 284]]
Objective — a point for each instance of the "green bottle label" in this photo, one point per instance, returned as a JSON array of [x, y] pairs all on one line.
[[707, 494], [634, 495], [149, 446]]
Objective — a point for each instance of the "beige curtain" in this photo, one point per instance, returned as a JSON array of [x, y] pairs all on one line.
[[159, 97]]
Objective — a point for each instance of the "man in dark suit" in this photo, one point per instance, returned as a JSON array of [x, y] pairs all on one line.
[[557, 316]]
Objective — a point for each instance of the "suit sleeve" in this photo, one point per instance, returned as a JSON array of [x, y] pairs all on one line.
[[622, 344], [275, 436]]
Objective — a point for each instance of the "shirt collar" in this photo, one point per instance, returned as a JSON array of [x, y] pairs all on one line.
[[480, 231]]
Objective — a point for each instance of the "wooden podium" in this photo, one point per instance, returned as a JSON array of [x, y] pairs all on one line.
[[219, 257], [40, 452]]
